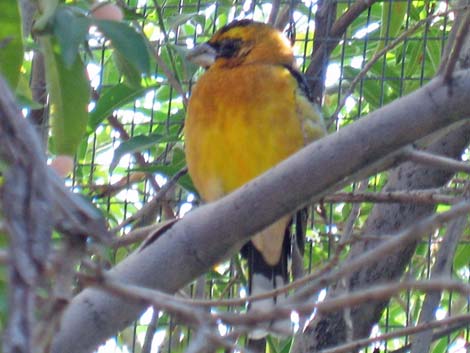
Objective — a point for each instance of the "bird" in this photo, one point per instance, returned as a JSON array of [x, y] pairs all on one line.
[[248, 111]]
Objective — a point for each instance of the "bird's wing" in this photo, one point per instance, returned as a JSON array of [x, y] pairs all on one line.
[[269, 241], [313, 125]]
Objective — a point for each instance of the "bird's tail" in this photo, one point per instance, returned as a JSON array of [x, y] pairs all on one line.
[[264, 277]]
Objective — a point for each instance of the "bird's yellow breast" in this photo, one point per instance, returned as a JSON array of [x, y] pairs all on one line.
[[240, 122]]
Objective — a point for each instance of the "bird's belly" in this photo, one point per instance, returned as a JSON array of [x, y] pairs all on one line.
[[227, 152]]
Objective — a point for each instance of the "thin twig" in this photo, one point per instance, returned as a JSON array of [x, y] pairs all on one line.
[[4, 258], [355, 211], [161, 301], [433, 160], [324, 21], [155, 200], [140, 234], [109, 190], [274, 12], [325, 275], [442, 268], [171, 74], [337, 30], [150, 333], [456, 48], [116, 124], [186, 311], [437, 334], [407, 236], [172, 80], [351, 299], [361, 343], [347, 300], [416, 197]]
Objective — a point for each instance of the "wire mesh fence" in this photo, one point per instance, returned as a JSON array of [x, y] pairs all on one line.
[[358, 57]]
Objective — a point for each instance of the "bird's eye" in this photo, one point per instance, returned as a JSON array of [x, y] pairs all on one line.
[[228, 48]]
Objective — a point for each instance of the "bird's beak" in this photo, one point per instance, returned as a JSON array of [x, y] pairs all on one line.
[[203, 55]]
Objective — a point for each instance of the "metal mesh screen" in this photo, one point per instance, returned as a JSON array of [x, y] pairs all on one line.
[[358, 76]]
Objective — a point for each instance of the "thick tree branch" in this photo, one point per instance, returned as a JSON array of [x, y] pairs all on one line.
[[26, 208], [196, 243], [34, 200], [330, 39], [331, 330], [324, 20]]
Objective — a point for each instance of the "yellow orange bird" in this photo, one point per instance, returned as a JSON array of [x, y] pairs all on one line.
[[247, 112]]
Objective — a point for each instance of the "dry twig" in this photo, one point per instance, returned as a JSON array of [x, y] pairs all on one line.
[[424, 197], [433, 160]]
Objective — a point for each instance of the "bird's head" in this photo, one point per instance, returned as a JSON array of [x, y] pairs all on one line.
[[243, 42]]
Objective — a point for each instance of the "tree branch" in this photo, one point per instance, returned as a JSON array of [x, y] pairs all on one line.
[[425, 197], [328, 331], [330, 41], [439, 162], [421, 342], [194, 244], [26, 208]]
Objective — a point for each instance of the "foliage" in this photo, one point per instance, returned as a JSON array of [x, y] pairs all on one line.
[[117, 93]]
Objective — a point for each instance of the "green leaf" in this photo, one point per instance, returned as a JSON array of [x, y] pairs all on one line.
[[414, 58], [112, 99], [433, 49], [24, 95], [26, 102], [163, 94], [461, 257], [177, 20], [287, 346], [272, 346], [46, 16], [69, 93], [169, 170], [391, 88], [181, 52], [131, 74], [70, 30], [11, 42], [137, 144], [393, 15], [369, 87], [413, 62], [127, 42], [442, 345]]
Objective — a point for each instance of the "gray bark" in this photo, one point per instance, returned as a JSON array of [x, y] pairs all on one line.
[[210, 233], [386, 219]]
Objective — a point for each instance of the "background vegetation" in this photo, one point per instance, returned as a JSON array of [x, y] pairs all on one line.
[[111, 93]]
